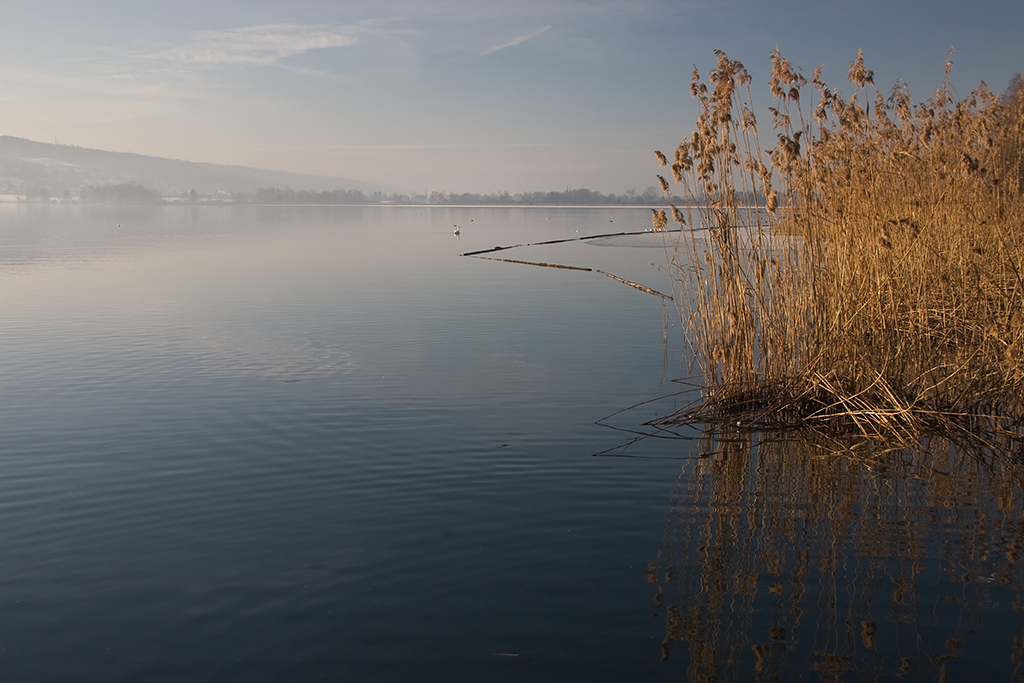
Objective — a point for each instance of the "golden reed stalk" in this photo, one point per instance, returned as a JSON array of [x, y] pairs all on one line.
[[867, 273]]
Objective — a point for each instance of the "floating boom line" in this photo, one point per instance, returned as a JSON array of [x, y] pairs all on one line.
[[635, 285]]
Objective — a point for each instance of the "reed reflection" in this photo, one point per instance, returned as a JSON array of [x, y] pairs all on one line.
[[788, 560]]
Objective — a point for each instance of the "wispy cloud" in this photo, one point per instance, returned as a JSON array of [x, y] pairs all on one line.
[[267, 44], [317, 73], [518, 40]]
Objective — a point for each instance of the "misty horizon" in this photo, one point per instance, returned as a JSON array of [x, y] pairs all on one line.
[[466, 97], [60, 172]]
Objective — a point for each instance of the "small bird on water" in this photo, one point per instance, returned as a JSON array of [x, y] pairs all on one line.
[[456, 231]]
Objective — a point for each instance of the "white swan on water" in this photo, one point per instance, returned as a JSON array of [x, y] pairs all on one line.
[[456, 231]]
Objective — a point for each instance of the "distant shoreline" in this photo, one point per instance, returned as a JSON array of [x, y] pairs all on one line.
[[13, 199]]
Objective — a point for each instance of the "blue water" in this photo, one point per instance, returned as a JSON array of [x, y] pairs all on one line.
[[290, 443], [317, 443]]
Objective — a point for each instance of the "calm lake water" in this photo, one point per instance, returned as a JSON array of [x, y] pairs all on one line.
[[316, 443]]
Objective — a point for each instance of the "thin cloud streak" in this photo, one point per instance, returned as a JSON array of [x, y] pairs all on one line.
[[516, 41], [266, 45], [316, 73]]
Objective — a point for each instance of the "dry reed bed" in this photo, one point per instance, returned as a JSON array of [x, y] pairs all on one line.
[[877, 283]]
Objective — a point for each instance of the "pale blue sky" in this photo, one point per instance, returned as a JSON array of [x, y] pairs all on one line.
[[449, 95]]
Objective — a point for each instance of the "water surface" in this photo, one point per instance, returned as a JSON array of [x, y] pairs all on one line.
[[250, 443], [292, 443]]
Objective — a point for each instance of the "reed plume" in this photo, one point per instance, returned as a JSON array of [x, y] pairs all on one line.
[[875, 282]]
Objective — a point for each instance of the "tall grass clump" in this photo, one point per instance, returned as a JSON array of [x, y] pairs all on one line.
[[865, 273]]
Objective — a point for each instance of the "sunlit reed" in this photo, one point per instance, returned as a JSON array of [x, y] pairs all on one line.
[[865, 274]]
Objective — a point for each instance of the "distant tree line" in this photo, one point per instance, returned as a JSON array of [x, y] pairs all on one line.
[[125, 193], [274, 195], [570, 197], [38, 194], [130, 193], [573, 197]]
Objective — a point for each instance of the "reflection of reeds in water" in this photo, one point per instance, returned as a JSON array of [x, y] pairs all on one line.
[[873, 287], [787, 560]]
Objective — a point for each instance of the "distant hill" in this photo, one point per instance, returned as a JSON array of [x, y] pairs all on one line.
[[25, 165]]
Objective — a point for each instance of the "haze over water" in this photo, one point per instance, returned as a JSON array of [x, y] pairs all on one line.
[[284, 443]]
